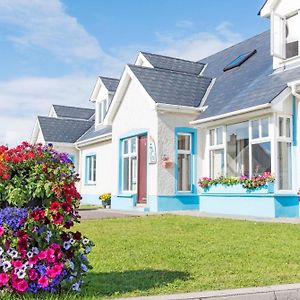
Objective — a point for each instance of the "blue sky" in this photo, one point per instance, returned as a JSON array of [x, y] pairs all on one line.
[[52, 51]]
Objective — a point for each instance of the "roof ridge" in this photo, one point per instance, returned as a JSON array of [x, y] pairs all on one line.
[[235, 45], [169, 71], [63, 118], [69, 106], [191, 61]]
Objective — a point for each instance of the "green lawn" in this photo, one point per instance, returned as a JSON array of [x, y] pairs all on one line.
[[170, 254]]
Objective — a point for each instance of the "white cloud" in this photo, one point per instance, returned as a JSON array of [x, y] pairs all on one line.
[[21, 100], [44, 24], [197, 45]]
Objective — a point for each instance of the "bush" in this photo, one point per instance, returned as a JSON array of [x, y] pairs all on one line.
[[39, 200]]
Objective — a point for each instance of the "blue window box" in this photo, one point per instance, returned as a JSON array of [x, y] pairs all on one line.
[[238, 189]]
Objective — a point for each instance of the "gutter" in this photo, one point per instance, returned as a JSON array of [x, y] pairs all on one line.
[[293, 85], [94, 140], [230, 114], [179, 108]]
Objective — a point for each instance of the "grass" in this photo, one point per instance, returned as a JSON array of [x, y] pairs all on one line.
[[170, 254]]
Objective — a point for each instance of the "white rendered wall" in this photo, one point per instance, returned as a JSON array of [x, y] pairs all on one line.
[[135, 113], [167, 122], [104, 174]]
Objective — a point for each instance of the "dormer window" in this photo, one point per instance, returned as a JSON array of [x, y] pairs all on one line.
[[292, 36], [102, 109], [285, 35]]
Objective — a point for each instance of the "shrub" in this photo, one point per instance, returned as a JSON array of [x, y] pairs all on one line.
[[38, 251]]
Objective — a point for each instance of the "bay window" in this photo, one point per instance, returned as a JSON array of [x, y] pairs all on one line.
[[284, 149], [90, 172], [246, 150], [129, 164]]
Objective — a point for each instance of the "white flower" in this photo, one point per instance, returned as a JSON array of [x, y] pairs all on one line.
[[12, 253], [67, 245], [29, 254], [87, 250], [72, 241], [49, 235], [6, 265], [35, 250], [1, 250], [85, 241], [76, 286], [71, 264]]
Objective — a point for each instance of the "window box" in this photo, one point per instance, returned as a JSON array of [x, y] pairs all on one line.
[[268, 188]]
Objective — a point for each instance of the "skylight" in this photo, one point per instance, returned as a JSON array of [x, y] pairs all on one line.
[[239, 60]]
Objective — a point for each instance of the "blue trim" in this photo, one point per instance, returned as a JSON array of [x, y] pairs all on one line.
[[193, 174], [127, 135], [294, 122], [72, 157], [85, 167]]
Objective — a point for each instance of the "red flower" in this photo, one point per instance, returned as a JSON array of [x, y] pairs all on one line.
[[1, 230], [21, 286], [54, 206], [32, 274], [43, 281], [3, 279], [77, 235], [57, 218]]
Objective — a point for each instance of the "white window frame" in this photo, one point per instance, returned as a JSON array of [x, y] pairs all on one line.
[[101, 111], [252, 141], [91, 169], [278, 35], [190, 152], [216, 146], [130, 155], [284, 139]]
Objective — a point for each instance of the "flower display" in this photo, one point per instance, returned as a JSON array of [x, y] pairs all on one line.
[[39, 200], [105, 198], [252, 183]]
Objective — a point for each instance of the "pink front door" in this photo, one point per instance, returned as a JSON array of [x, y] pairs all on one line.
[[142, 170]]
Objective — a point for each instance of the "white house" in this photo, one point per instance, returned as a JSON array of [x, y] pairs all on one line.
[[168, 122]]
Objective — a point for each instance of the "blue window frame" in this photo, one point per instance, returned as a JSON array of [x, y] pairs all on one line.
[[90, 169], [185, 156]]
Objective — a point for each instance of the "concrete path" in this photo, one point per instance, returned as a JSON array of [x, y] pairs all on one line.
[[92, 214], [275, 292]]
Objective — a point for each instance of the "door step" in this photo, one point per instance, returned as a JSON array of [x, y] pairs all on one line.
[[141, 207]]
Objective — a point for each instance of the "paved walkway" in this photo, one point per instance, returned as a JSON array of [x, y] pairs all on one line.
[[92, 214], [275, 292]]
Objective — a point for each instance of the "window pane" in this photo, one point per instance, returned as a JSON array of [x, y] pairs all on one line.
[[219, 134], [216, 163], [255, 129], [292, 37], [125, 148], [184, 142], [100, 112], [261, 158], [265, 127], [280, 125], [184, 172], [211, 137], [238, 149], [94, 168], [288, 127], [126, 174], [133, 145], [284, 166], [133, 173]]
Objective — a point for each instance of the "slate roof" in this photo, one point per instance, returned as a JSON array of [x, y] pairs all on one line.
[[63, 130], [73, 112], [170, 87], [251, 84], [110, 83], [173, 64], [92, 133]]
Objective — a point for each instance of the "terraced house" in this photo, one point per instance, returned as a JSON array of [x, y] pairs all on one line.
[[168, 122]]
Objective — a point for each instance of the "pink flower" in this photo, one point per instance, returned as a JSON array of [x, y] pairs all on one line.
[[55, 246], [43, 282], [1, 230], [42, 255], [3, 278], [17, 264], [33, 260], [32, 274], [22, 286]]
